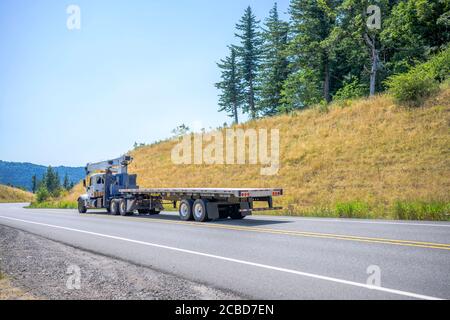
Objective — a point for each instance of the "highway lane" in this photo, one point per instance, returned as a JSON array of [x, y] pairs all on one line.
[[264, 256]]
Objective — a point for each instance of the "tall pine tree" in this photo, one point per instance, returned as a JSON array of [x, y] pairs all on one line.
[[274, 67], [34, 184], [231, 96], [66, 183], [312, 23], [249, 52]]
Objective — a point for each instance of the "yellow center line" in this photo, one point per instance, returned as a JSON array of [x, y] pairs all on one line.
[[410, 243]]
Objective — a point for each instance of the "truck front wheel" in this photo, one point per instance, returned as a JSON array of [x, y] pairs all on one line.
[[81, 207]]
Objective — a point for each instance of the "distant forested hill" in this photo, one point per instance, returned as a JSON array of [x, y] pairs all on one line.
[[19, 174]]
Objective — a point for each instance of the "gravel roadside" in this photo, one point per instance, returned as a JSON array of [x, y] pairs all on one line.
[[46, 268]]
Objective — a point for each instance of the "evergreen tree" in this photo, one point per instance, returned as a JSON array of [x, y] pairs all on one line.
[[414, 30], [249, 53], [66, 183], [51, 181], [274, 68], [231, 96], [34, 184], [310, 51]]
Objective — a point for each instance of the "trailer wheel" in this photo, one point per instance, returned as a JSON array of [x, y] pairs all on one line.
[[123, 207], [186, 209], [81, 207], [199, 210], [113, 208]]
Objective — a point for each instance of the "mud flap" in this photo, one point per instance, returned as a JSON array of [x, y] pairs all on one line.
[[246, 208], [213, 210]]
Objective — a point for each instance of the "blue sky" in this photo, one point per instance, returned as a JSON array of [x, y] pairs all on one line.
[[133, 72]]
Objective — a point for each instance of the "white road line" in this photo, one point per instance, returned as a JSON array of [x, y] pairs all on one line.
[[259, 265]]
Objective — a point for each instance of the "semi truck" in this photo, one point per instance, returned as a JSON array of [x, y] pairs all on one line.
[[109, 186]]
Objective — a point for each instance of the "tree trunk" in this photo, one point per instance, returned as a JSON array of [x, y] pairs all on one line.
[[235, 111], [251, 101], [326, 82], [374, 62]]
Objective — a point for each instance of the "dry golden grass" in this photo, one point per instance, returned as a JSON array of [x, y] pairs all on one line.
[[9, 194], [370, 150], [73, 195], [9, 292]]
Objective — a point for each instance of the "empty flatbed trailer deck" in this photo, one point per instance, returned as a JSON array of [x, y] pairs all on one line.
[[208, 203]]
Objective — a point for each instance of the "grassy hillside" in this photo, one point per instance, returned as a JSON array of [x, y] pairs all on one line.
[[366, 158], [8, 194]]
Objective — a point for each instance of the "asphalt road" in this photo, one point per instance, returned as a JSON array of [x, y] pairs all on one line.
[[265, 257]]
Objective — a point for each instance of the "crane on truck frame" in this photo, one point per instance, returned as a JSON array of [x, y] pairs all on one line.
[[111, 187]]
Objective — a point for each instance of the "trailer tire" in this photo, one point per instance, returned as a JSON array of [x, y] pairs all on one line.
[[199, 210], [123, 207], [81, 207], [186, 209], [113, 208]]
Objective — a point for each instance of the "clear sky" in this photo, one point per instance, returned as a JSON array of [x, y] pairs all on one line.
[[133, 72]]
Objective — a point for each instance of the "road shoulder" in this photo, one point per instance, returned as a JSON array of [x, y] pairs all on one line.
[[49, 270]]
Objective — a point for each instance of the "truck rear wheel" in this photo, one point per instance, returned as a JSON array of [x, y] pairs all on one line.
[[81, 207], [123, 207], [199, 210], [186, 209], [113, 208]]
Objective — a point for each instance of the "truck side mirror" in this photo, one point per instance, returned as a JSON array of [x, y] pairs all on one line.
[[84, 183]]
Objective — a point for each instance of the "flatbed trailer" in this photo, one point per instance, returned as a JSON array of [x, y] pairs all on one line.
[[202, 204], [115, 190]]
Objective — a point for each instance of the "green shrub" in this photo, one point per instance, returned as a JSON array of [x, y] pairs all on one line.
[[42, 194], [352, 89], [53, 205], [352, 209], [420, 82], [412, 88], [421, 210]]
